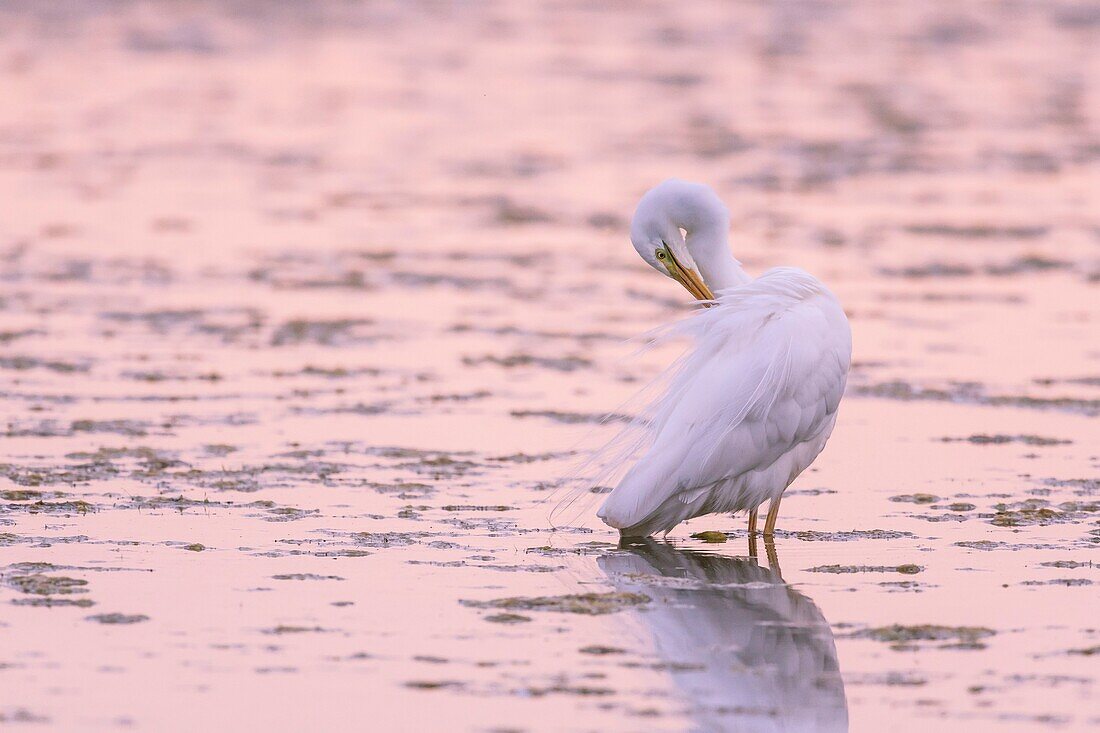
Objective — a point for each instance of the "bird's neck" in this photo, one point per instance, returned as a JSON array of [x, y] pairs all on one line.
[[710, 249]]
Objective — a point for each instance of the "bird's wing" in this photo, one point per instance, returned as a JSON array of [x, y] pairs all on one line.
[[766, 374]]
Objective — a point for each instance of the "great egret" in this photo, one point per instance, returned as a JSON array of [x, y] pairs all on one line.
[[752, 405]]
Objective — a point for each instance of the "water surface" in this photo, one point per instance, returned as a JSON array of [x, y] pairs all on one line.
[[305, 313]]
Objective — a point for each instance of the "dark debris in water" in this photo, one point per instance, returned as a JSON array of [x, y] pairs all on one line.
[[387, 539], [902, 637], [528, 458], [916, 498], [973, 395], [53, 602], [305, 576], [434, 684], [45, 585], [852, 535], [992, 545], [402, 489], [1070, 564], [558, 364], [118, 618], [65, 508], [906, 569], [957, 517], [890, 679], [53, 429], [1020, 265], [601, 650], [23, 363], [1039, 511], [573, 418], [583, 690], [897, 586], [284, 513], [321, 333], [528, 568], [440, 466], [583, 548], [589, 604], [29, 495], [999, 439], [1080, 486], [978, 231], [507, 618]]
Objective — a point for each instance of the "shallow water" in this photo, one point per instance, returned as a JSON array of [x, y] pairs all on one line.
[[306, 312]]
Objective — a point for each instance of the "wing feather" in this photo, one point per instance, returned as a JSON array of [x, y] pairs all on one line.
[[766, 374]]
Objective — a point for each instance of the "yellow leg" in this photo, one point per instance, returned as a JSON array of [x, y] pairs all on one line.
[[773, 556], [773, 514], [752, 522]]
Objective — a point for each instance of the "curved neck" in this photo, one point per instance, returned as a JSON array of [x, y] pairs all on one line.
[[710, 250]]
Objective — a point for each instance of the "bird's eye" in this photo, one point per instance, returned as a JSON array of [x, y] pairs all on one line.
[[660, 254]]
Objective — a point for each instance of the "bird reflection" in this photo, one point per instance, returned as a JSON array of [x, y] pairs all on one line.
[[749, 652]]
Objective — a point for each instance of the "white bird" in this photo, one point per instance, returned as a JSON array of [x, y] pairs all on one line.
[[752, 405]]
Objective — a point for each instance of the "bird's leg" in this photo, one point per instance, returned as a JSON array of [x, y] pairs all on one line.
[[752, 522], [752, 545], [773, 514]]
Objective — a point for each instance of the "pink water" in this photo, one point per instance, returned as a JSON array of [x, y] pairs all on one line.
[[338, 294]]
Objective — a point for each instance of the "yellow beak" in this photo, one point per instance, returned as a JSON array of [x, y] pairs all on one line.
[[689, 278]]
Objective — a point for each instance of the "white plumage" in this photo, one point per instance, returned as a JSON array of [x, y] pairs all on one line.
[[752, 405]]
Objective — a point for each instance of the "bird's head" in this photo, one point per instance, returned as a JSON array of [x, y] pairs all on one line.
[[668, 215]]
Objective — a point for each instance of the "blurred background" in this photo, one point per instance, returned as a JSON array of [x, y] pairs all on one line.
[[305, 306]]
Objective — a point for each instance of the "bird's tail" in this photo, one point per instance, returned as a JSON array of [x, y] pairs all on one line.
[[607, 466]]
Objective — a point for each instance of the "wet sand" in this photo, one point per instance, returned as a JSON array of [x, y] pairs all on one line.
[[305, 314]]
